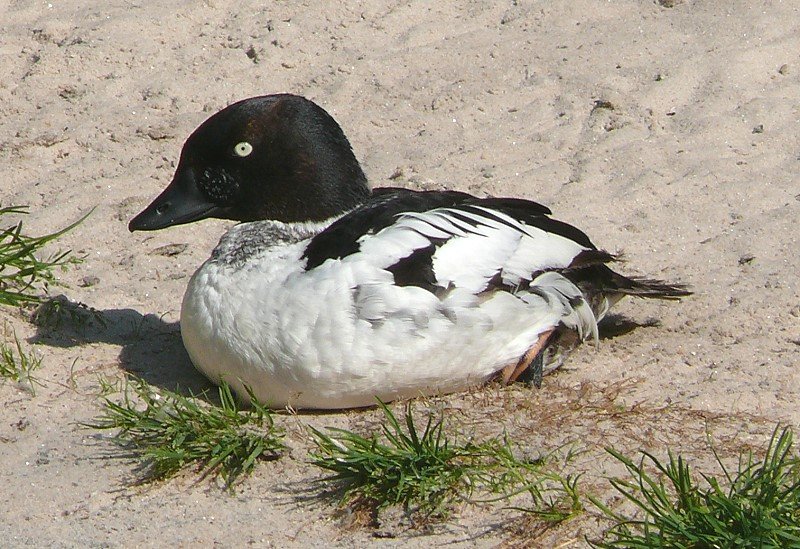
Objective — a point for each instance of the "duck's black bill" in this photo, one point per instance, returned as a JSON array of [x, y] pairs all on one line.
[[181, 202]]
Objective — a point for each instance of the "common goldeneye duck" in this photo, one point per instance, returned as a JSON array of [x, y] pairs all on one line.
[[327, 295]]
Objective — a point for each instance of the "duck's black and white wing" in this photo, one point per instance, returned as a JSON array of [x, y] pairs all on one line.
[[452, 244]]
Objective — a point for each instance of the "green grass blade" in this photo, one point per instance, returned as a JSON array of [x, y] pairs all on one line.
[[425, 471], [169, 431], [21, 267], [19, 365], [757, 506]]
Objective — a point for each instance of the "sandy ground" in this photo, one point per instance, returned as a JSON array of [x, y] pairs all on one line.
[[669, 130]]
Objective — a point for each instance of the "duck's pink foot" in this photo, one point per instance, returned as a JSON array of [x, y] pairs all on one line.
[[514, 370]]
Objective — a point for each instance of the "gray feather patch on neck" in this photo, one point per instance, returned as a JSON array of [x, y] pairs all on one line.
[[247, 240]]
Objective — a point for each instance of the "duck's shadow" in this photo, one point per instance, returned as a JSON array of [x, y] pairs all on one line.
[[150, 348], [616, 325]]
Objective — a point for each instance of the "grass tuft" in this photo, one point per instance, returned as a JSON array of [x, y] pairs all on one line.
[[426, 472], [18, 365], [758, 506], [22, 271], [170, 431]]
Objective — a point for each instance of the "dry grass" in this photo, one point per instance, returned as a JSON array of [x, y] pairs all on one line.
[[589, 417]]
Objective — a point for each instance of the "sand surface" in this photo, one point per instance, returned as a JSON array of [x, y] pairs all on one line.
[[669, 130]]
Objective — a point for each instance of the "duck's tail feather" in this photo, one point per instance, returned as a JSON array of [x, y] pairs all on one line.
[[600, 279], [651, 287]]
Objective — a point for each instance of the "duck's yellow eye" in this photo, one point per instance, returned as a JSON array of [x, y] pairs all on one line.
[[243, 149]]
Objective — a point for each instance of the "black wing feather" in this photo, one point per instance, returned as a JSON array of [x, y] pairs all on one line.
[[341, 238]]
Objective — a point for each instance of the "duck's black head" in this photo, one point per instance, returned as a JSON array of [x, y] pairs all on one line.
[[278, 157]]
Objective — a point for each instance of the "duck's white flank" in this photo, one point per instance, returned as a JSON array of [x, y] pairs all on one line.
[[343, 333]]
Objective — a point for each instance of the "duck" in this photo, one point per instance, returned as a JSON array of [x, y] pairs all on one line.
[[329, 295]]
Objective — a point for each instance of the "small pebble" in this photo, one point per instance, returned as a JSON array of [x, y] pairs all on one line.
[[170, 250], [746, 258], [396, 174], [88, 281], [603, 104]]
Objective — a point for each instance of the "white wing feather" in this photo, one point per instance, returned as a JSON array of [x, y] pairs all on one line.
[[476, 248]]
